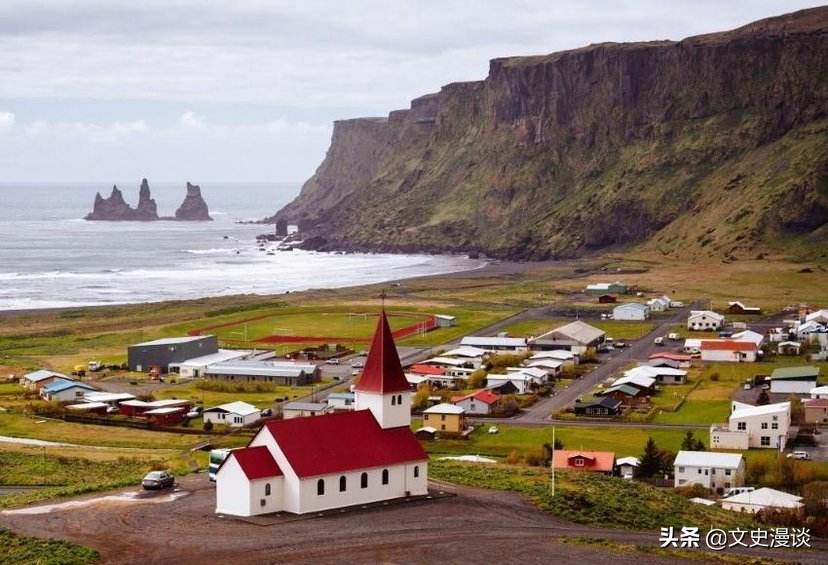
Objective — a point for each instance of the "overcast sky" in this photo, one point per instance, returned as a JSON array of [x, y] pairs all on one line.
[[244, 90]]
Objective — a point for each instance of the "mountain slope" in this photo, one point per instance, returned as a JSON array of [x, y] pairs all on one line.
[[714, 145]]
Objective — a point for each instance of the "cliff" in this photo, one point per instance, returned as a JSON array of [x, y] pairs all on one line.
[[713, 145], [194, 208], [116, 209]]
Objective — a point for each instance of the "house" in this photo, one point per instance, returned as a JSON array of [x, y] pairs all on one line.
[[607, 299], [137, 408], [305, 409], [704, 320], [466, 352], [819, 392], [448, 363], [640, 379], [592, 461], [495, 343], [523, 382], [291, 373], [568, 358], [501, 388], [480, 402], [627, 467], [540, 375], [716, 471], [662, 375], [577, 337], [341, 400], [794, 380], [234, 414], [750, 336], [445, 417], [660, 304], [628, 395], [112, 399], [728, 350], [661, 362], [437, 376], [815, 410], [602, 406], [98, 408], [168, 416], [551, 366], [62, 390], [631, 311], [739, 308], [38, 379], [335, 460], [445, 320], [142, 357], [763, 499], [788, 348], [818, 316], [426, 433], [683, 360], [753, 426], [194, 368], [606, 288]]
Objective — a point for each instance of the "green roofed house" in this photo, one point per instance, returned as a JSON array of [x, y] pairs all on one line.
[[794, 380], [606, 288], [628, 395]]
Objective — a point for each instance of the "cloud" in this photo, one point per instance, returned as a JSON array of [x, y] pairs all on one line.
[[6, 121]]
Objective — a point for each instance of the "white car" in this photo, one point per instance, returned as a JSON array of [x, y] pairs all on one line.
[[659, 341], [493, 429], [799, 455], [332, 361]]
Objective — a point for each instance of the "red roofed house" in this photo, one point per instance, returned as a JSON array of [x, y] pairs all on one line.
[[426, 370], [728, 350], [482, 401], [594, 461], [334, 460]]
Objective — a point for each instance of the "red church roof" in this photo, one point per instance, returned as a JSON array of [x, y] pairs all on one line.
[[340, 442], [383, 372], [256, 462]]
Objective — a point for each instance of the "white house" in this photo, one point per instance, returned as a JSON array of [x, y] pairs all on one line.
[[310, 464], [717, 471], [659, 304], [342, 400], [40, 378], [641, 380], [495, 343], [704, 320], [522, 381], [728, 350], [195, 367], [819, 392], [482, 401], [233, 414], [631, 311], [551, 366], [753, 426], [627, 467], [303, 409], [541, 375], [575, 336], [568, 358], [662, 375], [820, 316], [794, 380], [749, 336], [763, 499]]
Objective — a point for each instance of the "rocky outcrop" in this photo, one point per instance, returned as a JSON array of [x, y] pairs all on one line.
[[712, 145], [194, 208], [116, 209]]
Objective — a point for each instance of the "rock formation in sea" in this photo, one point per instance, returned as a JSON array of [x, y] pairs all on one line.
[[194, 208], [113, 208], [147, 209]]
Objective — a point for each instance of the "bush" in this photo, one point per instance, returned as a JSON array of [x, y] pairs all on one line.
[[513, 458], [714, 377], [208, 426], [477, 379]]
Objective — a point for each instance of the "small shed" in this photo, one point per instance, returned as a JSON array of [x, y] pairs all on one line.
[[607, 299], [445, 320]]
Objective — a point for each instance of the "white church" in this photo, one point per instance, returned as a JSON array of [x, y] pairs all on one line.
[[335, 460]]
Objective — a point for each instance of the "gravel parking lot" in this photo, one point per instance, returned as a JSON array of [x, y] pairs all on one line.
[[474, 526]]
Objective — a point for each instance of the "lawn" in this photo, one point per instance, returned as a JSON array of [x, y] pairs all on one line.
[[20, 549], [696, 412], [526, 439], [590, 498], [262, 395], [616, 329]]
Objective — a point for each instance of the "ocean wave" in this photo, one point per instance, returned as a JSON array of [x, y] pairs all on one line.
[[212, 251]]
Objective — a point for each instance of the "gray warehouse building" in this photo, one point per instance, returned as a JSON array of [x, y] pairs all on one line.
[[142, 357], [251, 371]]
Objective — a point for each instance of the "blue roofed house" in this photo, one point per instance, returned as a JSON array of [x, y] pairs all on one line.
[[63, 390]]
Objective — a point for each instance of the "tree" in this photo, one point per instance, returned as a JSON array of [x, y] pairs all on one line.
[[208, 426], [797, 413], [558, 443], [477, 379], [763, 399], [420, 399], [690, 443], [650, 462]]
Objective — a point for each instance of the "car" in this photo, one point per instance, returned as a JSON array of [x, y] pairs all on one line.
[[355, 372], [673, 336], [659, 341], [332, 361], [493, 429], [157, 480], [620, 344], [798, 455], [267, 412], [747, 386], [357, 363]]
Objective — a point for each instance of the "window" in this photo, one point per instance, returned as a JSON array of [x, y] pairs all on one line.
[[741, 426], [343, 483], [442, 426], [416, 471], [320, 487], [765, 441], [393, 401], [775, 426], [764, 425], [399, 399], [681, 469], [267, 489], [385, 476], [443, 417], [727, 472], [363, 480], [579, 462]]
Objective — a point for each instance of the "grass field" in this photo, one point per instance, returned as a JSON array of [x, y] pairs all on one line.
[[262, 395], [22, 550], [616, 329]]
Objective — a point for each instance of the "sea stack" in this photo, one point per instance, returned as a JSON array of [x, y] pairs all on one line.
[[194, 208], [147, 210], [113, 208]]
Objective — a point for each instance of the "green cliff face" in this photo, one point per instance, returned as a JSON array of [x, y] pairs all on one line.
[[714, 145]]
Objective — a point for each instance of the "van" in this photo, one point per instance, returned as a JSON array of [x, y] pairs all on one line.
[[673, 336]]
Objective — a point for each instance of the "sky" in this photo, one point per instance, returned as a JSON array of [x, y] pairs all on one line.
[[247, 90]]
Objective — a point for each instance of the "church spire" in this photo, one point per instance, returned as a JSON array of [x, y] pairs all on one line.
[[382, 372]]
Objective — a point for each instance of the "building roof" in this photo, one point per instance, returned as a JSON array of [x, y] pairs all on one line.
[[382, 372], [767, 497], [603, 402], [87, 406], [256, 462], [727, 345], [163, 411], [671, 356], [628, 461], [108, 396], [795, 373], [343, 441], [220, 356], [819, 390], [482, 341], [623, 389], [237, 407], [42, 374], [578, 331], [172, 340], [650, 371], [445, 316], [445, 408], [819, 314], [309, 406], [444, 361], [763, 410], [708, 459], [709, 313], [483, 395], [596, 460], [64, 384], [426, 369], [560, 354], [466, 351], [605, 286], [342, 395], [546, 363], [531, 371], [743, 307], [636, 379], [815, 403], [749, 335], [257, 368], [632, 306]]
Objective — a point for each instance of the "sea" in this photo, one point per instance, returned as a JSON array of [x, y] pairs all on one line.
[[50, 257]]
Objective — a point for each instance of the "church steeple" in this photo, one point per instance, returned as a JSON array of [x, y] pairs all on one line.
[[382, 387]]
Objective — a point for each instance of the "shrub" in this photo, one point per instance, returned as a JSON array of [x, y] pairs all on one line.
[[477, 379], [513, 458], [714, 377], [208, 426]]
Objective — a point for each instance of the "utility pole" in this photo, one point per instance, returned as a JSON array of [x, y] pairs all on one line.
[[553, 461]]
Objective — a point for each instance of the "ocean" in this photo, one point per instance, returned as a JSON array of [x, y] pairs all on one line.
[[50, 257]]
